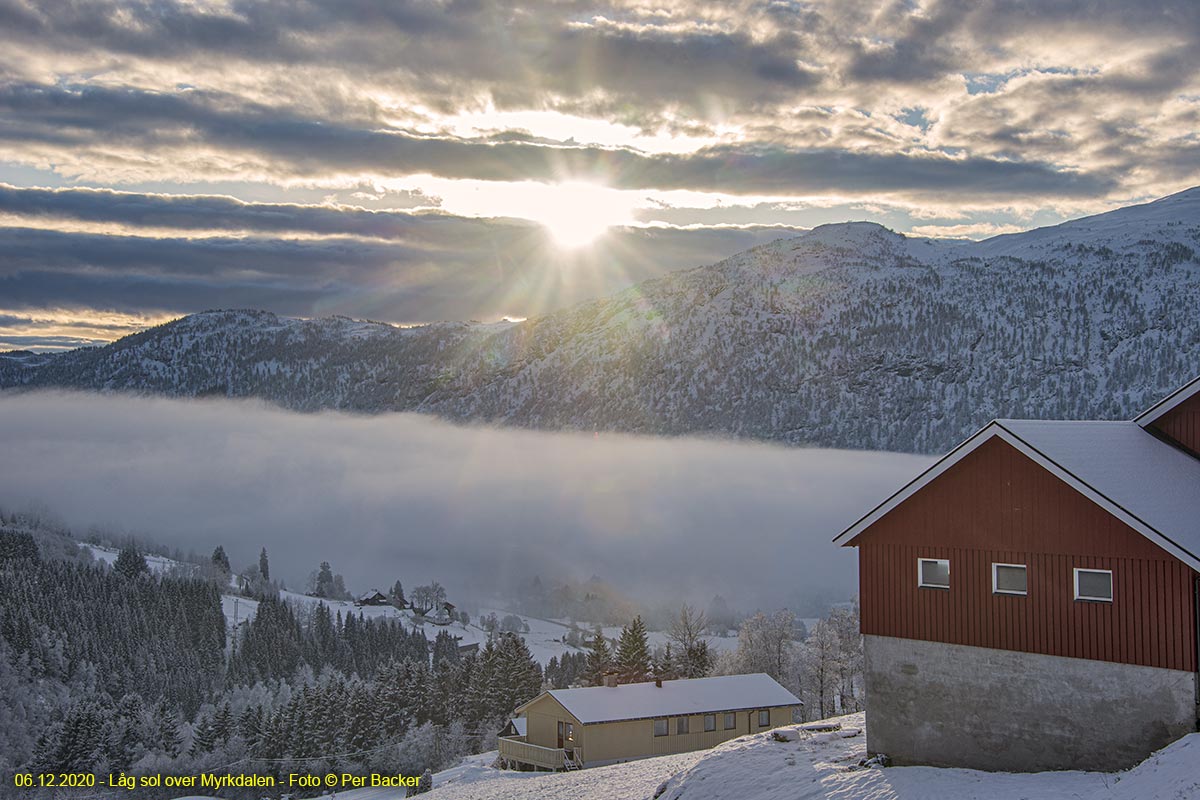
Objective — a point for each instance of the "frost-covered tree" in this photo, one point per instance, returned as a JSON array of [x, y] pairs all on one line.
[[599, 658], [767, 644], [633, 652], [221, 561], [130, 562], [264, 566]]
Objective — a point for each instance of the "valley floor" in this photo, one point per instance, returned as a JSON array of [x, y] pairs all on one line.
[[810, 765]]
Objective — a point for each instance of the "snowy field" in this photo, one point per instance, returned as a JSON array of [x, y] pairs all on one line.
[[810, 765]]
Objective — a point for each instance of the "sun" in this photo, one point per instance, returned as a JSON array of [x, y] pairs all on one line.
[[577, 214]]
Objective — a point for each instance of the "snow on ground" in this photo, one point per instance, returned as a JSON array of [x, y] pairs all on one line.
[[157, 564], [544, 637], [716, 644], [808, 765]]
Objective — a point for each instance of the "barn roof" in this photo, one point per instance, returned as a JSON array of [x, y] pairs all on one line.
[[1160, 409], [1145, 482], [673, 698]]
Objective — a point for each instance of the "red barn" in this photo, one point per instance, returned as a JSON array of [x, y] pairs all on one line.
[[1031, 600]]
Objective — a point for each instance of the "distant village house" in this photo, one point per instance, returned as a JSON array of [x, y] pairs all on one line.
[[1030, 601], [372, 598]]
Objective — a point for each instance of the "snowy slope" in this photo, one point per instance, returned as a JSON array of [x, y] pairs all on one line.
[[544, 637], [812, 765], [849, 335]]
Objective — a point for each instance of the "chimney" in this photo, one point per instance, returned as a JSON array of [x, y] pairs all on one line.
[[658, 682], [610, 680]]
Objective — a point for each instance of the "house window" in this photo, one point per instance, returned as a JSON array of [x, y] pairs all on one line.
[[730, 721], [764, 718], [710, 722], [570, 731], [1094, 584], [660, 727], [681, 725], [1009, 579], [933, 573]]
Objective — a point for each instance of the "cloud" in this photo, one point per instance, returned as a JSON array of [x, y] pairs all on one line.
[[431, 267], [405, 496], [94, 120]]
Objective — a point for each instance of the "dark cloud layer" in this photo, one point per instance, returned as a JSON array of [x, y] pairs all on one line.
[[406, 496], [379, 264], [306, 147]]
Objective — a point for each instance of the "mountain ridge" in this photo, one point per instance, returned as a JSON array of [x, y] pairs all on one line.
[[850, 335]]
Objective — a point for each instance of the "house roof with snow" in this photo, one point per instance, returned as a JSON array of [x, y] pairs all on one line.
[[674, 698], [1142, 480]]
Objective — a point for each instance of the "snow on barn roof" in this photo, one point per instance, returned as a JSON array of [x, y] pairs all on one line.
[[673, 698], [1145, 482]]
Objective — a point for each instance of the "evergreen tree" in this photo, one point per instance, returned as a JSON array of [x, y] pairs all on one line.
[[264, 568], [204, 737], [17, 546], [169, 740], [599, 658], [223, 727], [633, 652], [130, 562], [323, 586], [445, 648], [220, 560], [397, 595]]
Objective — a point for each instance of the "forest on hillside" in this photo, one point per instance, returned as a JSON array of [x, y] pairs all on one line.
[[108, 669]]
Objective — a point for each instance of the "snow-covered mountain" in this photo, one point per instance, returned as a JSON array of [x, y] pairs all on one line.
[[850, 335]]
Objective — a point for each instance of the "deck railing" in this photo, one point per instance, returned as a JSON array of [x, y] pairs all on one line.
[[514, 749]]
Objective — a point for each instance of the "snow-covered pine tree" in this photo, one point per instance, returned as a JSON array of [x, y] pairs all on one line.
[[599, 658], [169, 740], [633, 652], [220, 560], [130, 562]]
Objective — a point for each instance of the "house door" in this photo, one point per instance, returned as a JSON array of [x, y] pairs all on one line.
[[560, 734]]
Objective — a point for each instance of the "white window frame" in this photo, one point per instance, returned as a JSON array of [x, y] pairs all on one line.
[[730, 721], [710, 720], [995, 579], [762, 724], [1111, 587], [921, 584]]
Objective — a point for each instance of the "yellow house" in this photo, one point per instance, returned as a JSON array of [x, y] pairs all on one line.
[[571, 728]]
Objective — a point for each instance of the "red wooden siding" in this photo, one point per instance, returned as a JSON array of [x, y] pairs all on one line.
[[996, 505], [1182, 423]]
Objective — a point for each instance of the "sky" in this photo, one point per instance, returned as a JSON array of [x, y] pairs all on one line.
[[409, 497], [418, 160]]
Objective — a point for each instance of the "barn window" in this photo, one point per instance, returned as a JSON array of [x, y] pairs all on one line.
[[681, 725], [710, 722], [764, 718], [933, 573], [730, 721], [1010, 579], [1094, 584], [660, 727]]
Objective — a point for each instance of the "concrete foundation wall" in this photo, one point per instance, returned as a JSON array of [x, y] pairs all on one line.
[[952, 705]]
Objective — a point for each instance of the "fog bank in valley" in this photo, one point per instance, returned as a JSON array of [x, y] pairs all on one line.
[[410, 497]]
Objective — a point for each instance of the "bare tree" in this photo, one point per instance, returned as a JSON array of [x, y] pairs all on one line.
[[692, 656], [427, 598]]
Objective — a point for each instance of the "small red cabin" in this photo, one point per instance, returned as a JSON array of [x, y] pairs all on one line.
[[1030, 601]]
